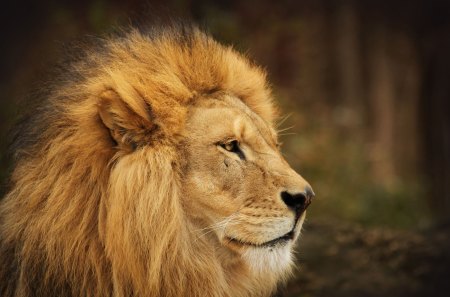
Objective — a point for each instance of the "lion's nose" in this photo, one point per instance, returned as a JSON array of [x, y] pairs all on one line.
[[298, 201]]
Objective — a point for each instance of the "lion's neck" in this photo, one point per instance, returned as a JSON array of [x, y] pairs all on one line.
[[228, 274]]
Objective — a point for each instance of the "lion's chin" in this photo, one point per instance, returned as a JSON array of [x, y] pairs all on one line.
[[278, 259], [274, 255]]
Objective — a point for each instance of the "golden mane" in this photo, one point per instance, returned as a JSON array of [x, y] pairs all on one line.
[[78, 223]]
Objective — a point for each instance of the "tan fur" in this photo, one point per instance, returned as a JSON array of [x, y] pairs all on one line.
[[126, 190]]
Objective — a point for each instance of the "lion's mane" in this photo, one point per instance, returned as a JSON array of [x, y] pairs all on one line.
[[78, 222]]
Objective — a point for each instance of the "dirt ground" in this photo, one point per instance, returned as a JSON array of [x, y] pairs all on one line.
[[340, 259]]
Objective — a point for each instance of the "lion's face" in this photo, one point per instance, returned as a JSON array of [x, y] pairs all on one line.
[[238, 188]]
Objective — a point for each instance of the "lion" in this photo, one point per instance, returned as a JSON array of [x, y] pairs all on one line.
[[152, 168]]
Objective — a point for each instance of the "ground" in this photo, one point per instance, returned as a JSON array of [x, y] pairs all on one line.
[[344, 259]]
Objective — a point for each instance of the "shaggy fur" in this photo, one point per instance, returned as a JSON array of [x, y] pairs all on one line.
[[104, 189]]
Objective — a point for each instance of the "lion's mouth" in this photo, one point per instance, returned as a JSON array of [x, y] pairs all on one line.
[[282, 240]]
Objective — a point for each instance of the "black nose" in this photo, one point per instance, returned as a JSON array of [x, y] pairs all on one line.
[[298, 201]]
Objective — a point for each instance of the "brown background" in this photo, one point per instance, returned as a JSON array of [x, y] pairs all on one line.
[[367, 88]]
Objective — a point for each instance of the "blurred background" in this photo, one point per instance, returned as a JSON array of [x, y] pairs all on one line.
[[366, 87]]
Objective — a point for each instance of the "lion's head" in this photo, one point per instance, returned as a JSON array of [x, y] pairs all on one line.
[[153, 169], [237, 186]]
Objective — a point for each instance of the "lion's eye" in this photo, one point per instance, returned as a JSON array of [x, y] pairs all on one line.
[[233, 147]]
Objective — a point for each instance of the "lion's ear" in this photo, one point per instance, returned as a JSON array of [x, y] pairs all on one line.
[[129, 122]]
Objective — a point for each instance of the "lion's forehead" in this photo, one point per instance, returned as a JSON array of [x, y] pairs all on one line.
[[228, 116]]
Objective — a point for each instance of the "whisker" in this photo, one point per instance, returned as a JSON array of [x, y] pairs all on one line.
[[283, 120], [290, 133], [218, 225], [210, 226], [284, 129]]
